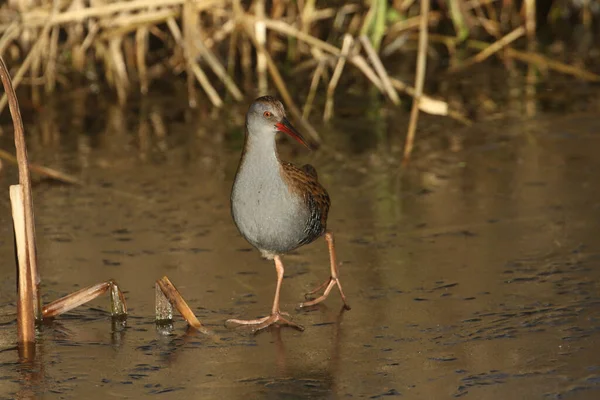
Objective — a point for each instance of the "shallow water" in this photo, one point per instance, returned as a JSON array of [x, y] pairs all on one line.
[[474, 275]]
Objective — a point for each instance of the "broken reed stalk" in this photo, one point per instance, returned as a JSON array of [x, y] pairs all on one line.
[[25, 182], [491, 49], [41, 170], [420, 79], [25, 316], [171, 293], [85, 295]]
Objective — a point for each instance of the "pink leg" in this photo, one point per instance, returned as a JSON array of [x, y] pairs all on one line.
[[333, 279], [276, 315]]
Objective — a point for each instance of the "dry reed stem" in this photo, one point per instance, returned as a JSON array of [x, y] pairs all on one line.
[[540, 60], [380, 69], [280, 84], [313, 88], [527, 57], [338, 14], [212, 60], [357, 60], [85, 295], [175, 298], [233, 41], [135, 22], [491, 49], [141, 48], [337, 73], [213, 95], [41, 170], [195, 68], [586, 14], [50, 73], [118, 65], [163, 307], [26, 64], [287, 29], [37, 18], [428, 104], [420, 80], [25, 182], [530, 19], [412, 23], [34, 72], [188, 21], [25, 316], [260, 32]]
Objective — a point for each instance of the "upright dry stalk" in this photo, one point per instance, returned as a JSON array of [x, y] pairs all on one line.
[[50, 74], [313, 88], [188, 20], [419, 80], [260, 30], [457, 16], [586, 14], [25, 182], [335, 78], [141, 48], [530, 19], [25, 318]]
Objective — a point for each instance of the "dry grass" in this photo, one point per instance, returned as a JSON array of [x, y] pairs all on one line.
[[220, 44]]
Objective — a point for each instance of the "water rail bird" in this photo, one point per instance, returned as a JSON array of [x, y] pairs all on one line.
[[277, 206]]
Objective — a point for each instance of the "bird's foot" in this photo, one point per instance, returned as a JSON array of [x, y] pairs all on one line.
[[265, 322], [328, 285]]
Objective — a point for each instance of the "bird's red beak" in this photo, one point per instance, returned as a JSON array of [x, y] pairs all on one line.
[[286, 127]]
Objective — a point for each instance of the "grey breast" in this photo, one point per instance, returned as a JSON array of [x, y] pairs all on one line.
[[270, 216]]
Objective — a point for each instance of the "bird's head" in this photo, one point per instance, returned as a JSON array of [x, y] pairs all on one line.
[[266, 116]]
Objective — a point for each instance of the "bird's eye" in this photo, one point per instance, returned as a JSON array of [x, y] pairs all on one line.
[[267, 114]]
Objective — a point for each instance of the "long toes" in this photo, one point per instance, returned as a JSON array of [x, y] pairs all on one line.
[[277, 319], [242, 322], [257, 325], [291, 324]]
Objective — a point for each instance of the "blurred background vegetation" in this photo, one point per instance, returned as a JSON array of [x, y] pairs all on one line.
[[307, 52]]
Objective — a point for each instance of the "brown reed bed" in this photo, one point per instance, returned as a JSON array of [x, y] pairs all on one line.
[[220, 44]]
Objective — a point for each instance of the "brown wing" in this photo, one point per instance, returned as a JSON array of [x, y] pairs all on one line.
[[310, 170], [304, 182]]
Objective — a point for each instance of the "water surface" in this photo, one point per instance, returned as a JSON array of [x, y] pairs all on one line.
[[474, 275]]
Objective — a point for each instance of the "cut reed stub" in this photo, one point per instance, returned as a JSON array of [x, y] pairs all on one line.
[[164, 309], [171, 295], [85, 295], [25, 312]]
